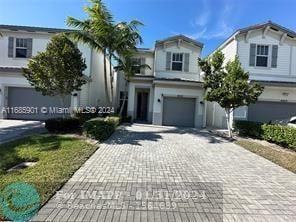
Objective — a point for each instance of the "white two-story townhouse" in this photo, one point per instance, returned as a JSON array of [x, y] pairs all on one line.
[[171, 93], [17, 45], [268, 53]]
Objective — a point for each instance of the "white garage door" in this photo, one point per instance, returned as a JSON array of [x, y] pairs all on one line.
[[178, 111], [28, 97]]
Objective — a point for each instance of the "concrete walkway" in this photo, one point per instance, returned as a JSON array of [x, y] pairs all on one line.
[[146, 173], [14, 129]]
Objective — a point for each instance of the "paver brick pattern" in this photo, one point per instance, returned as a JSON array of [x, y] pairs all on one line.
[[162, 158]]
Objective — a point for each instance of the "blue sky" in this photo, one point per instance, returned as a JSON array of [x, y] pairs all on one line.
[[208, 21]]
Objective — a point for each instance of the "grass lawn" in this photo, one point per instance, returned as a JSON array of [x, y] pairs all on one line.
[[58, 157], [285, 159]]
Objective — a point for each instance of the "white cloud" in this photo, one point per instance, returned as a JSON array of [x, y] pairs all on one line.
[[210, 27]]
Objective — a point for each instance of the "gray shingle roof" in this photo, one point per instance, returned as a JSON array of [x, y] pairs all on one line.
[[10, 69], [33, 29]]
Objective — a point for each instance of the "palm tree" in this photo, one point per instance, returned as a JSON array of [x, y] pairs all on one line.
[[94, 31], [100, 32], [128, 66]]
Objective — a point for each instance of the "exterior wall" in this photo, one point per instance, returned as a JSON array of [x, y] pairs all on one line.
[[174, 91], [286, 65], [160, 61], [230, 50], [91, 94]]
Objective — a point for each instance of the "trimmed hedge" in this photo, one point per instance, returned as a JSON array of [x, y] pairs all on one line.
[[62, 124], [248, 128], [100, 128], [282, 135], [85, 115]]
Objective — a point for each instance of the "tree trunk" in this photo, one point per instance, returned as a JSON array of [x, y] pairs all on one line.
[[124, 99], [105, 77], [227, 111], [62, 100], [111, 78]]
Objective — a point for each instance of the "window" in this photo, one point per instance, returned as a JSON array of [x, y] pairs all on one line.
[[137, 63], [262, 55], [177, 62], [21, 48]]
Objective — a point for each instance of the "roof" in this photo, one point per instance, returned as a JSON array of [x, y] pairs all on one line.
[[10, 69], [33, 29], [145, 50], [177, 37], [275, 83], [274, 26]]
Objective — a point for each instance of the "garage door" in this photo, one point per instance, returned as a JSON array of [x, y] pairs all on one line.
[[269, 111], [28, 97], [178, 111]]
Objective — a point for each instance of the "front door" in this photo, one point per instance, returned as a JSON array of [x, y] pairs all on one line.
[[142, 106]]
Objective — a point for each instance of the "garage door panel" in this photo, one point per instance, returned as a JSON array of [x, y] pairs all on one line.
[[264, 111], [179, 111], [28, 97]]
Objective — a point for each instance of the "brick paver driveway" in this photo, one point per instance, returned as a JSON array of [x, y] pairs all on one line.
[[186, 168]]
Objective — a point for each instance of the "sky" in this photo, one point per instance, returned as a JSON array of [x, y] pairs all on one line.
[[207, 21]]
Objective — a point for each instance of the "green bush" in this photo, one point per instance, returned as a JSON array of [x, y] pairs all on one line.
[[100, 128], [282, 135], [85, 115], [115, 120], [248, 128], [62, 124]]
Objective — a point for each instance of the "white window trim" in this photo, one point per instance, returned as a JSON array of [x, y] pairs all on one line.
[[268, 57], [15, 47], [177, 62]]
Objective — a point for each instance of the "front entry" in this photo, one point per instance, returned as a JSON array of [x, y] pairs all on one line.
[[142, 106]]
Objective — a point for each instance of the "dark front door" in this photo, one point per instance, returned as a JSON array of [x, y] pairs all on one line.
[[142, 106]]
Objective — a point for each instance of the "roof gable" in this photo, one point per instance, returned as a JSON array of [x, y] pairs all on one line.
[[180, 37]]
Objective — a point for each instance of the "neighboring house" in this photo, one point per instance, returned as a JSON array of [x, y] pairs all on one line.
[[268, 52], [17, 45], [171, 93]]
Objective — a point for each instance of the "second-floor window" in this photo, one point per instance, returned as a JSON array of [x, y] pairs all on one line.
[[262, 55], [137, 63], [177, 61], [21, 47]]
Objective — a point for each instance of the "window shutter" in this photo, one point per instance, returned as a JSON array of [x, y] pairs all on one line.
[[10, 47], [274, 55], [186, 63], [252, 54], [29, 47], [143, 62], [168, 61]]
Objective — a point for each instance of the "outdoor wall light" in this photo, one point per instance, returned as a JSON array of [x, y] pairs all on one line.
[[75, 94], [201, 102], [159, 100]]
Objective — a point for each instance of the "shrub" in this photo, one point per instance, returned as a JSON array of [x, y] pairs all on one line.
[[248, 128], [100, 128], [62, 124], [85, 115], [115, 120], [282, 135]]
